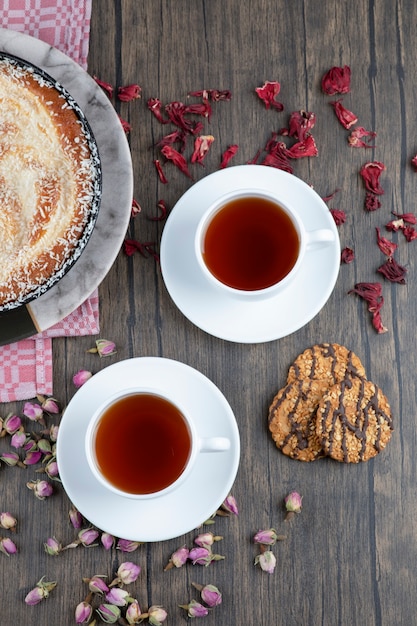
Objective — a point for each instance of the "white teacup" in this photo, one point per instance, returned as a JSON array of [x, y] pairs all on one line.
[[251, 245], [140, 444]]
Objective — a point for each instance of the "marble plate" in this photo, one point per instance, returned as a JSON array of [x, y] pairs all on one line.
[[227, 316], [117, 192], [196, 498]]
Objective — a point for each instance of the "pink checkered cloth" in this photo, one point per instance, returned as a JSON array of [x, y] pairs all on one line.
[[26, 366]]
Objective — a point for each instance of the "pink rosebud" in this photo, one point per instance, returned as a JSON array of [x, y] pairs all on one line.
[[32, 457], [125, 545], [195, 609], [205, 540], [18, 440], [11, 424], [87, 536], [41, 488], [128, 573], [52, 546], [52, 470], [211, 595], [7, 546], [293, 504], [104, 347], [266, 561], [133, 613], [109, 613], [81, 377], [39, 592], [75, 517], [96, 584], [157, 615], [10, 458], [53, 433], [33, 411], [83, 613], [50, 405], [266, 537], [230, 505], [200, 556], [107, 541], [45, 447], [178, 558], [117, 596], [7, 521]]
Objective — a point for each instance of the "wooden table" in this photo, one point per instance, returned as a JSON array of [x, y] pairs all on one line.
[[350, 556]]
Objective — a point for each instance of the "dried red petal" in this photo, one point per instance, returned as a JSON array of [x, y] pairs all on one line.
[[201, 147], [370, 173], [212, 94], [228, 154], [160, 171], [387, 247], [345, 117], [355, 138], [162, 212], [203, 109], [414, 162], [395, 225], [300, 124], [136, 208], [372, 294], [330, 196], [339, 216], [105, 86], [347, 255], [155, 106], [393, 271], [306, 148], [410, 233], [277, 156], [129, 92], [146, 249], [176, 112], [372, 202], [410, 218], [336, 80], [126, 126], [174, 137], [268, 93], [178, 160]]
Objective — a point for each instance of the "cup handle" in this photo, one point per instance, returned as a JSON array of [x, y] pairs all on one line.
[[320, 236], [215, 444]]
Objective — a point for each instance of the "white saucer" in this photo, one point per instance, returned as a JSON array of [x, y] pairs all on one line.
[[224, 316], [196, 499]]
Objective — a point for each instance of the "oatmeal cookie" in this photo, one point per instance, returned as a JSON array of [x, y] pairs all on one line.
[[327, 361], [292, 419], [354, 420]]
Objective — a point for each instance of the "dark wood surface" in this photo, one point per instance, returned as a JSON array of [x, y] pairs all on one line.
[[350, 556]]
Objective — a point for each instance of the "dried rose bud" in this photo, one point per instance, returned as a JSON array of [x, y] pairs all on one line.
[[83, 613], [118, 596], [203, 556], [87, 537], [129, 92], [107, 541], [133, 613], [52, 546], [52, 470], [53, 433], [293, 503], [109, 613], [7, 521], [195, 609], [7, 546], [230, 505], [347, 255], [45, 447], [266, 537], [81, 377], [11, 424], [157, 615], [75, 517], [33, 411], [96, 584], [211, 596], [127, 573], [40, 592], [32, 457], [266, 561], [125, 545], [18, 440], [10, 458], [104, 347], [336, 80], [49, 405], [178, 558], [205, 540], [41, 488], [268, 93]]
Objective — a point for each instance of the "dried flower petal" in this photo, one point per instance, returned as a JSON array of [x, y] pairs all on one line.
[[345, 117], [355, 138], [336, 80], [105, 86], [387, 247], [347, 255], [410, 218], [305, 148], [370, 173], [160, 171], [410, 233], [372, 202], [136, 208], [212, 94], [177, 136], [155, 106], [227, 155], [300, 125], [266, 561], [81, 377], [178, 160], [201, 147], [129, 92], [176, 112], [372, 294], [339, 216], [162, 212], [203, 109], [125, 125], [268, 93], [393, 271]]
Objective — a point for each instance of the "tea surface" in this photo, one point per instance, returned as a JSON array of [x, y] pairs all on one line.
[[251, 243], [142, 443]]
